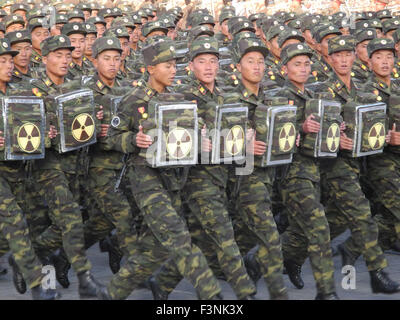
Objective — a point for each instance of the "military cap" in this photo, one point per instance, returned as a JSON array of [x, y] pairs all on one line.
[[255, 16], [2, 27], [63, 8], [287, 16], [15, 18], [83, 6], [136, 18], [371, 14], [289, 33], [106, 43], [274, 31], [198, 31], [308, 22], [96, 20], [384, 14], [6, 3], [396, 36], [228, 7], [90, 28], [123, 21], [267, 23], [118, 32], [3, 13], [242, 26], [365, 34], [293, 50], [203, 45], [116, 12], [76, 13], [152, 26], [390, 24], [72, 28], [168, 21], [36, 23], [18, 36], [55, 43], [246, 34], [380, 44], [225, 15], [203, 19], [341, 43], [148, 12], [61, 18], [359, 16], [246, 45], [105, 13], [321, 33], [141, 14], [295, 24], [159, 52], [19, 6]]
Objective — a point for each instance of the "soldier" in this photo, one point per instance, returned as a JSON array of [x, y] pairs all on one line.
[[91, 36], [382, 172], [100, 25], [55, 175], [14, 22], [135, 36], [360, 67], [20, 41], [13, 226], [39, 32], [76, 16], [224, 37], [164, 232], [60, 21]]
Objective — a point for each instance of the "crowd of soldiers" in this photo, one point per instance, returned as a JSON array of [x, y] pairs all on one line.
[[202, 222]]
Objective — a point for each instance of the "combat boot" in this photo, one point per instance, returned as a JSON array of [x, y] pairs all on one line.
[[252, 267], [110, 245], [218, 296], [158, 293], [327, 296], [347, 258], [38, 293], [102, 293], [294, 272], [381, 283], [62, 266], [18, 279], [88, 285]]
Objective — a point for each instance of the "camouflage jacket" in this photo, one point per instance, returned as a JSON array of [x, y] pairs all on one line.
[[274, 71], [338, 89], [396, 69], [222, 39], [18, 76], [36, 60], [320, 70], [361, 70], [76, 71]]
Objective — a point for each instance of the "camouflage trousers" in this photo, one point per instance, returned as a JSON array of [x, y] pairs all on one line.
[[384, 174], [308, 231], [14, 229], [211, 229], [113, 211], [66, 229], [164, 235]]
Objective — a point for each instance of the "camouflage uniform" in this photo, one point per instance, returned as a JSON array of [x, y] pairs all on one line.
[[164, 233]]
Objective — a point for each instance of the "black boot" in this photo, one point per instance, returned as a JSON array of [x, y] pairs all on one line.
[[103, 245], [38, 293], [110, 244], [327, 296], [88, 286], [218, 296], [62, 266], [381, 283], [252, 267], [3, 270], [347, 258], [102, 293], [158, 293], [18, 279], [294, 272]]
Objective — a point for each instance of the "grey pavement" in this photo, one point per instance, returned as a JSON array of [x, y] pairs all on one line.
[[185, 291]]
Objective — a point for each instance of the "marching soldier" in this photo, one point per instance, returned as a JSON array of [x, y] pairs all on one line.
[[360, 67], [39, 32], [21, 41]]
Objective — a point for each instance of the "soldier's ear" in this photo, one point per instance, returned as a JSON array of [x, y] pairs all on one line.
[[95, 63], [44, 60], [397, 46], [284, 69], [239, 67], [151, 69], [191, 66]]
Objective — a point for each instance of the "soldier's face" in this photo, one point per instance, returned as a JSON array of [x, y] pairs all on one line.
[[6, 67], [342, 62], [382, 63], [38, 35], [57, 62], [14, 27], [23, 57], [205, 67], [87, 14], [274, 47], [163, 73], [224, 27], [156, 33], [55, 30], [90, 39], [136, 34], [78, 41], [108, 63], [100, 29], [309, 38], [298, 69], [323, 47], [379, 33], [108, 21], [252, 67], [125, 47], [361, 51], [171, 33]]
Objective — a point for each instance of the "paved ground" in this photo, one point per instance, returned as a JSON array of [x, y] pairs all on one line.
[[185, 291]]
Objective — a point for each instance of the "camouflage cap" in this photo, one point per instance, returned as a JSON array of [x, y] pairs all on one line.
[[225, 15], [289, 33], [383, 14], [152, 26], [96, 20], [168, 21], [288, 16], [390, 24], [3, 13], [293, 50], [19, 6], [321, 33], [246, 45], [148, 12], [359, 16], [106, 12], [15, 18], [72, 28], [123, 21], [18, 36], [38, 23], [367, 24], [371, 14], [245, 34], [267, 23], [203, 45], [202, 19], [308, 22], [198, 31], [396, 36], [90, 28], [159, 52], [236, 19], [341, 43], [255, 16], [116, 12], [380, 44], [35, 13], [295, 24], [274, 31], [61, 19], [76, 13], [83, 6], [55, 43], [365, 34], [118, 32], [106, 43], [240, 26], [136, 18]]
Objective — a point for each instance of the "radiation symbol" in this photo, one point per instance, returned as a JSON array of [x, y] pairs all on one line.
[[179, 143], [376, 136], [234, 141], [28, 137], [82, 127], [287, 137], [333, 138]]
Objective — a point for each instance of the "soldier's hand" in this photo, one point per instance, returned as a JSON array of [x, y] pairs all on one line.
[[255, 147], [103, 130], [100, 114], [342, 126], [1, 139], [310, 125], [206, 144], [52, 132], [394, 136], [345, 142], [298, 140], [143, 140]]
